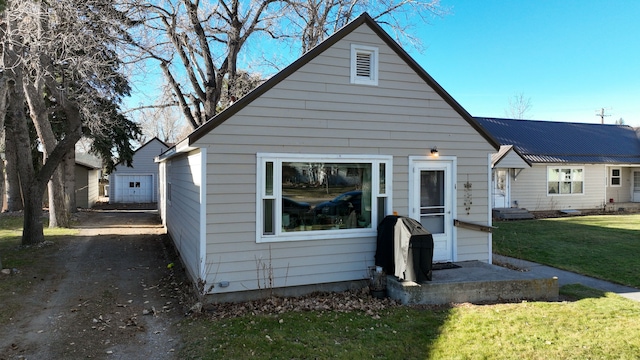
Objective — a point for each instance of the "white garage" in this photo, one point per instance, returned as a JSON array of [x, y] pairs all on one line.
[[133, 189], [138, 183]]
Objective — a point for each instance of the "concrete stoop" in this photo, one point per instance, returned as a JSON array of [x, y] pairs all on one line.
[[474, 282]]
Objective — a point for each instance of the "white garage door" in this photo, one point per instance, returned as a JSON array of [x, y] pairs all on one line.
[[135, 189]]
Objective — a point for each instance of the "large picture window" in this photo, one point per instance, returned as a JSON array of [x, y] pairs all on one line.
[[304, 197], [565, 180]]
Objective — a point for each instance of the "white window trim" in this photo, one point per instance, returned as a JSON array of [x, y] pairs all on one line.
[[279, 158], [584, 180], [611, 177], [362, 80]]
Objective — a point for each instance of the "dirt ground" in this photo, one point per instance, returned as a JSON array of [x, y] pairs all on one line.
[[108, 294]]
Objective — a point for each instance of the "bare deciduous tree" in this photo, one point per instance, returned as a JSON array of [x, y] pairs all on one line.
[[198, 44], [314, 20], [58, 59], [519, 107]]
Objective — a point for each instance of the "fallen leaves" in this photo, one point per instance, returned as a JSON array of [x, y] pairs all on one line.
[[355, 300]]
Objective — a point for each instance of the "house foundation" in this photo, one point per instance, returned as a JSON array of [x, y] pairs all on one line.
[[474, 282]]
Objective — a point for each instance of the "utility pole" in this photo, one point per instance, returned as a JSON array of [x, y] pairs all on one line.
[[601, 115]]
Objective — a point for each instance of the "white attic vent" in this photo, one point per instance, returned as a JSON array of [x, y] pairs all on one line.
[[364, 65]]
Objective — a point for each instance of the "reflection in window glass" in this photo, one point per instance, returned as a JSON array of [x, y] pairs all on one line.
[[565, 181], [383, 180], [325, 196], [269, 178]]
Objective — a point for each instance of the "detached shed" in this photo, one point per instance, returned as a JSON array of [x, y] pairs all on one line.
[[284, 189], [139, 183], [87, 177]]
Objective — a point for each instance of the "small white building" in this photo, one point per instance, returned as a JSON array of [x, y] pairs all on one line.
[[284, 189], [138, 183]]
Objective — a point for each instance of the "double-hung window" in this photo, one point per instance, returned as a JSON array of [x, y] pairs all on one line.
[[307, 197], [616, 177], [565, 180]]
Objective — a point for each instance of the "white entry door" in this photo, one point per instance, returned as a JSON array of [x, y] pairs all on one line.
[[500, 188], [636, 186], [432, 199]]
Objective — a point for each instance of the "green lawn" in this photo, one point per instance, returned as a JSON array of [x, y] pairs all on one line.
[[31, 261], [606, 247], [589, 324], [593, 325]]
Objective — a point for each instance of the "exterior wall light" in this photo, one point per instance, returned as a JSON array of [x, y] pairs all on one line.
[[434, 152]]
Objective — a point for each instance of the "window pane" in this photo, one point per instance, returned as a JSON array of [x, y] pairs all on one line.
[[382, 209], [268, 220], [577, 187], [383, 180], [268, 179], [565, 174], [615, 172], [554, 187], [326, 196], [432, 188], [565, 187], [433, 224], [554, 174], [577, 175], [615, 181]]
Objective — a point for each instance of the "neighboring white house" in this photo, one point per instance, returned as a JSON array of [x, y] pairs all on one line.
[[139, 183], [245, 197], [547, 165]]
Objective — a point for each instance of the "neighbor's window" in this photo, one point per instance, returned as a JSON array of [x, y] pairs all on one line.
[[565, 180], [307, 196], [616, 177], [364, 65]]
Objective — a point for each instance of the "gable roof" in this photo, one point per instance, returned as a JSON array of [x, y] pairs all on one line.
[[503, 152], [564, 142], [313, 53], [155, 138]]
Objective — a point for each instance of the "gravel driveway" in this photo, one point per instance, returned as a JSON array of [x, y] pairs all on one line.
[[109, 294]]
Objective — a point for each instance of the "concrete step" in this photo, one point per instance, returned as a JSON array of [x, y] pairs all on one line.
[[511, 214]]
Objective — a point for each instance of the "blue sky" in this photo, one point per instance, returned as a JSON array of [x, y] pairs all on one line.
[[570, 58]]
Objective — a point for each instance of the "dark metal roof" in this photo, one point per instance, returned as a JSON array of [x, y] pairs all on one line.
[[564, 142]]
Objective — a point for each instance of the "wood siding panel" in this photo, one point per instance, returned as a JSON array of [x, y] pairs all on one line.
[[317, 111], [513, 161], [530, 189], [183, 210], [93, 188]]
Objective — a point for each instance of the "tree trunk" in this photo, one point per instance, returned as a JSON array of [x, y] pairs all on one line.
[[2, 177], [70, 185], [4, 90], [32, 232], [13, 192], [59, 216], [33, 189]]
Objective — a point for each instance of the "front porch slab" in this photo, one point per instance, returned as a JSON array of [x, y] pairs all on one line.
[[474, 282]]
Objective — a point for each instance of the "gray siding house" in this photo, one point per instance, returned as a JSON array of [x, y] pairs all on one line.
[[547, 165], [284, 189], [139, 183]]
